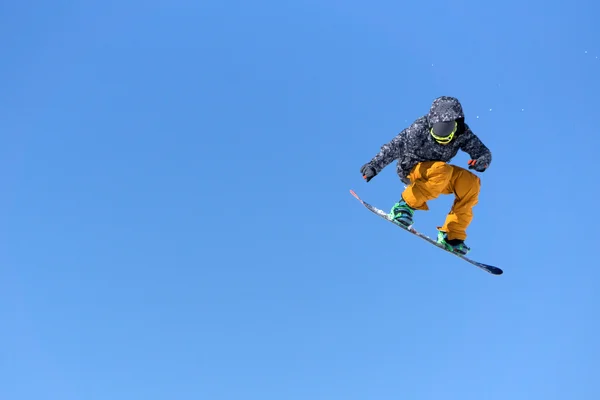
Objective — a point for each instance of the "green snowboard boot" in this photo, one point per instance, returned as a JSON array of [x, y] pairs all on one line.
[[454, 245], [402, 213]]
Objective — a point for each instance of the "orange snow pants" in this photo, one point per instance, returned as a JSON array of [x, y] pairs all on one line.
[[432, 178]]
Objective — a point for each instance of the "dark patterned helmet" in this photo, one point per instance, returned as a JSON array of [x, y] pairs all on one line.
[[443, 116]]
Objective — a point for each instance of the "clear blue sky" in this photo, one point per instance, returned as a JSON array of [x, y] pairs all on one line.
[[176, 221]]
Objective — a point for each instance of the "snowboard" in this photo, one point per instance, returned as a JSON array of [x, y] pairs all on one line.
[[487, 268]]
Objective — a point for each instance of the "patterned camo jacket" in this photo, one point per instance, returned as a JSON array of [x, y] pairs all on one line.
[[415, 143]]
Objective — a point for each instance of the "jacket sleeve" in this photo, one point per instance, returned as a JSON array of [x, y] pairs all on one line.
[[393, 150], [475, 148], [388, 152]]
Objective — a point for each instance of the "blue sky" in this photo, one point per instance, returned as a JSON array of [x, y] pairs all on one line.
[[176, 221]]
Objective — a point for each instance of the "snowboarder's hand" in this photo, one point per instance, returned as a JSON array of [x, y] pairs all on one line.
[[477, 165], [368, 172]]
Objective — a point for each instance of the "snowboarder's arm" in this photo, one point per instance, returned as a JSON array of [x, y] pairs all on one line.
[[475, 148], [388, 152], [393, 150]]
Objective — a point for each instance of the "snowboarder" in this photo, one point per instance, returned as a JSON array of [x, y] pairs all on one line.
[[423, 151]]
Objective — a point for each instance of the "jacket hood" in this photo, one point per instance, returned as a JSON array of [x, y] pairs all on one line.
[[444, 109]]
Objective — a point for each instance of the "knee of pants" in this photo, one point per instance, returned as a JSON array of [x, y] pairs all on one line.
[[468, 185]]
